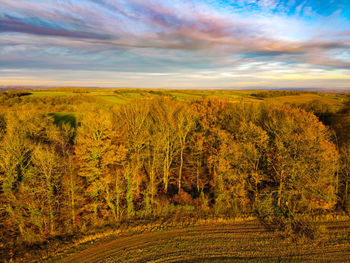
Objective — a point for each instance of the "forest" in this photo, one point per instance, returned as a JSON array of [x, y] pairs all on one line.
[[73, 164]]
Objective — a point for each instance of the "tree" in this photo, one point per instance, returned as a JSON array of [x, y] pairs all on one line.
[[30, 175], [345, 176], [15, 162], [301, 165], [132, 117], [153, 159], [165, 117], [184, 125], [47, 167], [341, 125], [253, 142], [227, 181], [197, 149], [94, 150]]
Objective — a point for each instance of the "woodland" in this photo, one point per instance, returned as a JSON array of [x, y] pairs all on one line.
[[75, 164]]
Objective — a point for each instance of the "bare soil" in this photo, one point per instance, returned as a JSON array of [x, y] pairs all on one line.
[[239, 242]]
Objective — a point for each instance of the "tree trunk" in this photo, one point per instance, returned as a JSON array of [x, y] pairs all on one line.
[[130, 195], [72, 197], [280, 190], [118, 192], [197, 173], [180, 169]]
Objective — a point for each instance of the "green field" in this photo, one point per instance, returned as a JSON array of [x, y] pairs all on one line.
[[120, 96], [112, 98]]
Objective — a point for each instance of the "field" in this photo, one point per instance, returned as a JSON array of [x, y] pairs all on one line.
[[121, 96], [219, 242]]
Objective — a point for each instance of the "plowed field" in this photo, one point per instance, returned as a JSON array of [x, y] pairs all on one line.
[[221, 243]]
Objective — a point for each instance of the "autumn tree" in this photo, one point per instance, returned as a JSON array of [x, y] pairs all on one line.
[[345, 176], [47, 168], [159, 155], [164, 112], [184, 125], [341, 125], [153, 160], [95, 152], [197, 160], [30, 175], [301, 164], [15, 161], [132, 118], [253, 142]]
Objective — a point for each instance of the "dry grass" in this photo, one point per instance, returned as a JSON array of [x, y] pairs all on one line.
[[305, 98]]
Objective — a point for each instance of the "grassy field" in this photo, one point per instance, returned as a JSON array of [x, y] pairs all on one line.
[[113, 98], [306, 97], [120, 96], [238, 242]]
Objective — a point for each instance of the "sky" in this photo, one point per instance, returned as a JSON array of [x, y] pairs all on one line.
[[176, 43]]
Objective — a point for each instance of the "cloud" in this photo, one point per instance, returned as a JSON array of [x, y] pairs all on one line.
[[149, 24], [165, 36], [14, 25]]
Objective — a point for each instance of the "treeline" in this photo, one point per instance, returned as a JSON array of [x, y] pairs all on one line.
[[276, 93], [327, 113], [12, 94], [22, 101], [153, 157]]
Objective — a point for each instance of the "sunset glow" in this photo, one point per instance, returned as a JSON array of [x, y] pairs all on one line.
[[176, 44]]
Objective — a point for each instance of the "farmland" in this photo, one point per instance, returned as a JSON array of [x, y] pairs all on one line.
[[218, 242], [125, 95]]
